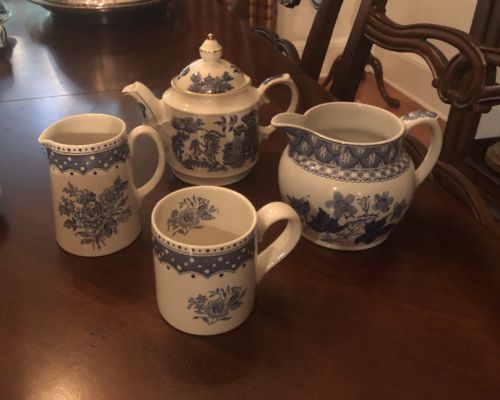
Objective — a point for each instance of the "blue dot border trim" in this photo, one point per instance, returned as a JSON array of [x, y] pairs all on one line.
[[85, 162]]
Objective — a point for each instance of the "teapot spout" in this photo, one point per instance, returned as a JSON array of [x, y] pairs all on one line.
[[152, 108]]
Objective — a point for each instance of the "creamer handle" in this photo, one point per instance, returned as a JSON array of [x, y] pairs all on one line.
[[160, 168], [265, 131], [415, 118]]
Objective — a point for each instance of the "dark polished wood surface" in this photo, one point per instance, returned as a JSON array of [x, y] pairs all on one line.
[[417, 317]]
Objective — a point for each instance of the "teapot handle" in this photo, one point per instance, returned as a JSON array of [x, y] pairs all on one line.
[[265, 131], [415, 118], [160, 168]]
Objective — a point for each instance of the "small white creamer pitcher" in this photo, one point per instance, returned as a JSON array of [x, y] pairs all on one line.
[[95, 202]]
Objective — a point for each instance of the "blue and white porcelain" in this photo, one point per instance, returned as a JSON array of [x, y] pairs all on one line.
[[209, 118], [207, 257], [346, 172], [94, 200]]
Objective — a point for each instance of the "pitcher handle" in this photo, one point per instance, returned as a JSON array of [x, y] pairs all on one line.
[[284, 243], [265, 131], [429, 118], [160, 168]]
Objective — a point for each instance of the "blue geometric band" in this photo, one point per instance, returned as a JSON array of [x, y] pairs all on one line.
[[205, 265], [82, 163], [340, 155]]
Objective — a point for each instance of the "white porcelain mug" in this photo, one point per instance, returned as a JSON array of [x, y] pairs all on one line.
[[95, 202], [207, 263]]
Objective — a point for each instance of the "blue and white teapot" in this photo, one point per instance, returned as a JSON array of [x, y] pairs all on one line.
[[208, 118]]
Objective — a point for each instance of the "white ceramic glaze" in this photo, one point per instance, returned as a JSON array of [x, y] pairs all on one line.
[[94, 200], [208, 118], [206, 257], [346, 172]]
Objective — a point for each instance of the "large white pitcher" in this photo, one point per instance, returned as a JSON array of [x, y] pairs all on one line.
[[346, 173]]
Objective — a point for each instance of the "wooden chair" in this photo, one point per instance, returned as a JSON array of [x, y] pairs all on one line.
[[466, 82], [317, 43]]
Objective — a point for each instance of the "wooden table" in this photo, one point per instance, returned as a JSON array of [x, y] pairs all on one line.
[[417, 317]]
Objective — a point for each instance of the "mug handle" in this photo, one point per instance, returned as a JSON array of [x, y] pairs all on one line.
[[160, 168], [265, 131], [284, 243], [429, 118]]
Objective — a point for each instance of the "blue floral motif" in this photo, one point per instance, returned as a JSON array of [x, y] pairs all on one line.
[[204, 148], [191, 212], [210, 84], [418, 114], [235, 69], [184, 72], [382, 202], [217, 305], [360, 220], [341, 205], [399, 209], [95, 218]]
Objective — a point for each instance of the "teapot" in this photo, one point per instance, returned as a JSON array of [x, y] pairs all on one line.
[[208, 118], [346, 173]]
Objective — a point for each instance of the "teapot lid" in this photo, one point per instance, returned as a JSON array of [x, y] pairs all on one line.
[[210, 74]]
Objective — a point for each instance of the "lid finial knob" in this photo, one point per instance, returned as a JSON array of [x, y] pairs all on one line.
[[211, 50]]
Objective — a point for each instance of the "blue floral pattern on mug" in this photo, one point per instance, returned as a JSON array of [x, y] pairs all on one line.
[[205, 149], [189, 215], [95, 218], [210, 84], [345, 217], [217, 305]]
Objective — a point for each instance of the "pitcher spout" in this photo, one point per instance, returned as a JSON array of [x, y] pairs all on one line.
[[152, 108], [288, 120]]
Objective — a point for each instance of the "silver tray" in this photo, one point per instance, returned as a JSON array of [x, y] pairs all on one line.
[[102, 11]]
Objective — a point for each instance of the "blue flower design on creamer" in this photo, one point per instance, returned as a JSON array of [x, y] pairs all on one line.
[[217, 305], [189, 215], [348, 218], [95, 218]]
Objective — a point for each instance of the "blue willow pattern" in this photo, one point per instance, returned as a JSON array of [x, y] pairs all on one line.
[[95, 218], [205, 149], [364, 218], [210, 84], [411, 116], [217, 306], [190, 214]]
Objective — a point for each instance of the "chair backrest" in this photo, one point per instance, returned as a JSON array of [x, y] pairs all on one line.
[[317, 41], [319, 37], [466, 81], [463, 81]]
